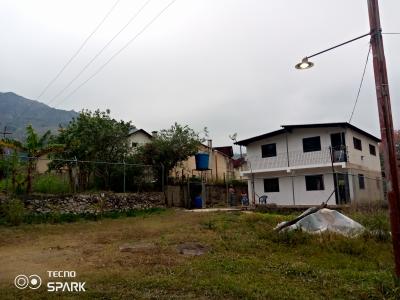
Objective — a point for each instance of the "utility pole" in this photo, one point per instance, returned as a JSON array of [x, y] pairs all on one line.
[[5, 132], [386, 125]]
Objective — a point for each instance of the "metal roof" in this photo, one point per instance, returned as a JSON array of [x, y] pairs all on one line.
[[289, 128]]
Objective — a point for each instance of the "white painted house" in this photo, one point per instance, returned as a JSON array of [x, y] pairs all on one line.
[[139, 137], [306, 164]]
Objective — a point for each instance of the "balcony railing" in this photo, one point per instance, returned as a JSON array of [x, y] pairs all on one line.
[[297, 159]]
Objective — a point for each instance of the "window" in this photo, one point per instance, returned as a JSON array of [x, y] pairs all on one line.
[[268, 150], [314, 182], [372, 150], [357, 143], [361, 181], [271, 185], [312, 144], [134, 145]]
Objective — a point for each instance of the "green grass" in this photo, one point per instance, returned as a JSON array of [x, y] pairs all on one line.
[[50, 184], [13, 214], [247, 259]]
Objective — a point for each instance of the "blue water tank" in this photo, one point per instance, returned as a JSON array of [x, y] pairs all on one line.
[[198, 202], [201, 161]]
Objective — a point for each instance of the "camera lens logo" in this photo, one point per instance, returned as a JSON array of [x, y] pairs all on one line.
[[22, 282]]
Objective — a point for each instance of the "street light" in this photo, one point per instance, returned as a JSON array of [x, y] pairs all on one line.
[[304, 64], [385, 120]]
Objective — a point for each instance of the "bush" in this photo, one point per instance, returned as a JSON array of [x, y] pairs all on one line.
[[3, 185], [12, 212], [51, 184]]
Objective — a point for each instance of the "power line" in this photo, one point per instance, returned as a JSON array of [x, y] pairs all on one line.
[[360, 86], [51, 82], [100, 52], [119, 51], [79, 49]]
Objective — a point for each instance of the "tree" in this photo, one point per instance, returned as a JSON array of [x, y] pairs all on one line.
[[170, 147], [94, 136], [34, 146]]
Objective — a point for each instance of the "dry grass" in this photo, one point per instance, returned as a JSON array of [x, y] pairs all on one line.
[[246, 260]]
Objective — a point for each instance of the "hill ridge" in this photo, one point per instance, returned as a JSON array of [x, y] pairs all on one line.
[[16, 112]]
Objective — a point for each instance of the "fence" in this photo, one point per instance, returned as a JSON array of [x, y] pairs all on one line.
[[19, 174], [216, 195], [299, 158]]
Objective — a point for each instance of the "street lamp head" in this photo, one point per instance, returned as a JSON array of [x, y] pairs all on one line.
[[305, 64]]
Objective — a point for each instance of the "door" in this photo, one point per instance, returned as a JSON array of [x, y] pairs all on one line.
[[341, 181], [338, 144]]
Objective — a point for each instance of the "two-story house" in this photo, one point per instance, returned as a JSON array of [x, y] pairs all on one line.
[[310, 163]]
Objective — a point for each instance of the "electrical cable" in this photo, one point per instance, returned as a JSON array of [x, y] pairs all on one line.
[[118, 52], [51, 82], [360, 86], [79, 50], [100, 52]]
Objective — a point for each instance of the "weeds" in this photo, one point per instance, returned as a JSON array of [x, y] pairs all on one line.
[[50, 184], [12, 212], [16, 216]]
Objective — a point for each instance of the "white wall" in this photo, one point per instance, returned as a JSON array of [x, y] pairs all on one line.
[[302, 196], [283, 197], [295, 138], [254, 149], [295, 147], [362, 158], [140, 138], [373, 191]]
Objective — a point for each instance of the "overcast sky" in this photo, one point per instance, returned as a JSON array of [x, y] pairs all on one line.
[[224, 64]]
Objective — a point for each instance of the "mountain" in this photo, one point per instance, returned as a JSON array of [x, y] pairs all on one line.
[[17, 112]]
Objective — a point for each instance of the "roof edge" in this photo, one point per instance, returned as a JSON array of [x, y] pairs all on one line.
[[288, 128]]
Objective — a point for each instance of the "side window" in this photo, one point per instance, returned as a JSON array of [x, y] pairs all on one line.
[[372, 150], [268, 150], [134, 145], [271, 185], [357, 143], [361, 181], [314, 182], [312, 144]]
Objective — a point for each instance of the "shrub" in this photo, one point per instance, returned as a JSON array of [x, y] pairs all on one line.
[[12, 212], [50, 184], [3, 185]]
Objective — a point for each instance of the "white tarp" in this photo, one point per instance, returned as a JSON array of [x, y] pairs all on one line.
[[328, 220]]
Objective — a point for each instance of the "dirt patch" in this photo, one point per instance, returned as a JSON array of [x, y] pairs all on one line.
[[192, 249], [137, 247]]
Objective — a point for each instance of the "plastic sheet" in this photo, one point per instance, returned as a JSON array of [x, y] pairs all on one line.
[[328, 220]]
